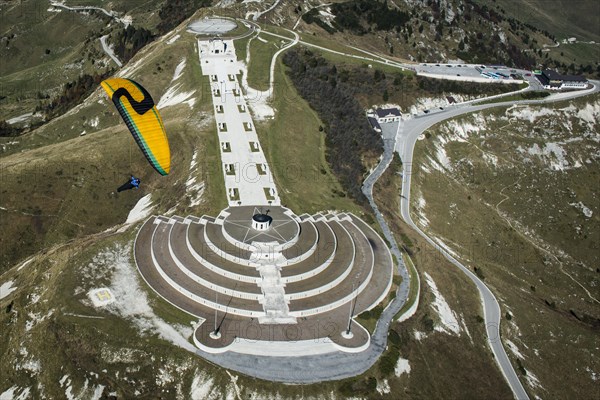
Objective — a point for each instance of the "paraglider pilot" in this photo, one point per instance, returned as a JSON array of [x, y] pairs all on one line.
[[131, 184]]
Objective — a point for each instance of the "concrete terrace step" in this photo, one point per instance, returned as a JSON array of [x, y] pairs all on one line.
[[192, 220], [201, 249], [191, 289], [183, 254], [352, 285], [308, 237], [381, 281], [152, 276], [339, 266], [213, 233], [326, 247]]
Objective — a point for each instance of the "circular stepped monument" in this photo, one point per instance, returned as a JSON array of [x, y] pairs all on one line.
[[268, 282]]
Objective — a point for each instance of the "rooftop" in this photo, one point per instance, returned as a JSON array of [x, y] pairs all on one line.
[[374, 123], [238, 224], [384, 112], [555, 76], [261, 218]]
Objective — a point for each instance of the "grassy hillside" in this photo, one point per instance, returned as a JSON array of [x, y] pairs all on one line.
[[43, 50], [56, 344], [563, 21], [559, 17], [296, 149], [44, 47], [261, 51], [136, 356], [477, 31], [61, 231], [59, 184], [509, 191], [431, 350]]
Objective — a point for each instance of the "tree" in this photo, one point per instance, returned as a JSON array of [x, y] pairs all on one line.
[[348, 135]]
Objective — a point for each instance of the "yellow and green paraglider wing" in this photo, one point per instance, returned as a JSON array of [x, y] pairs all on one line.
[[143, 120]]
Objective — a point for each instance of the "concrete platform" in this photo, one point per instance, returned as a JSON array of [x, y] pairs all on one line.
[[211, 26], [258, 310], [238, 224]]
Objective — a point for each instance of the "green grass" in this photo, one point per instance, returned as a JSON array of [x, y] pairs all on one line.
[[76, 338], [518, 97], [368, 319], [50, 49], [239, 30], [330, 42], [278, 30], [498, 217], [69, 181], [78, 346], [347, 58], [577, 53], [260, 61], [101, 346], [552, 15], [241, 47], [295, 150], [338, 58], [27, 70], [414, 286], [69, 192]]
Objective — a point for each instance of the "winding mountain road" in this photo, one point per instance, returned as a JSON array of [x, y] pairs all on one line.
[[408, 134], [406, 137]]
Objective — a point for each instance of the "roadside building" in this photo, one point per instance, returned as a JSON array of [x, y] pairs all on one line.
[[554, 81], [374, 124], [387, 115]]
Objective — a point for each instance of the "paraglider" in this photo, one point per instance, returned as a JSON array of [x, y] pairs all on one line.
[[133, 183], [136, 107]]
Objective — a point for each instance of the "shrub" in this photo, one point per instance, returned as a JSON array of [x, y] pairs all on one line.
[[348, 135]]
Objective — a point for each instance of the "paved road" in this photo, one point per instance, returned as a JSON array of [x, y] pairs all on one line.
[[111, 14], [437, 72], [109, 51], [315, 368], [274, 58], [408, 133], [334, 366], [389, 132]]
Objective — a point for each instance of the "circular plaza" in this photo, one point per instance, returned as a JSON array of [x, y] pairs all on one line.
[[212, 26], [286, 288]]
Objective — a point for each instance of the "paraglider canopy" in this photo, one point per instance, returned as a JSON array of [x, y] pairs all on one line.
[[140, 114]]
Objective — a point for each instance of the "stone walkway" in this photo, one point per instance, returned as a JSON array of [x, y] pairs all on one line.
[[248, 178]]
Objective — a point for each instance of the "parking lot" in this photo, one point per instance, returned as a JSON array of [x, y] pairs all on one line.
[[473, 72]]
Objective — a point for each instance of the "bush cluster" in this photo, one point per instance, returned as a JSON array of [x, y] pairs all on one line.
[[348, 135]]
